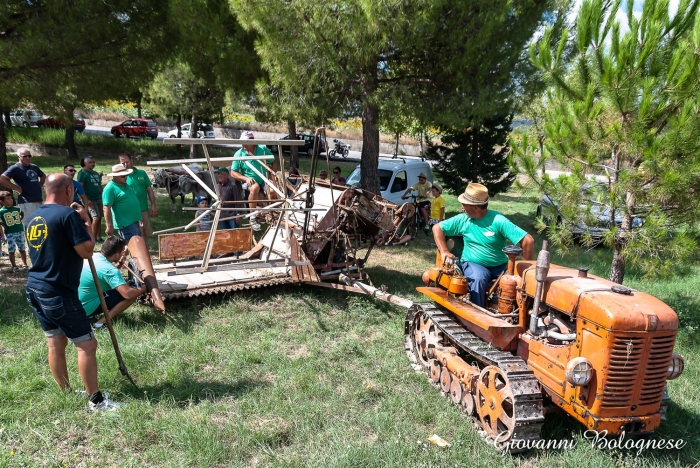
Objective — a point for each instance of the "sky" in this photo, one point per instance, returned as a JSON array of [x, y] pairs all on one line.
[[622, 12]]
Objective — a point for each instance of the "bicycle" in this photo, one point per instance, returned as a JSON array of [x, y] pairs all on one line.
[[409, 223]]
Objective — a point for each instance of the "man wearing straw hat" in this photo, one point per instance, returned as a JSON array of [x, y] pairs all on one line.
[[122, 209], [485, 233]]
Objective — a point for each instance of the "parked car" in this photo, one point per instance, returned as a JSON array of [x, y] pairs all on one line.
[[137, 128], [548, 209], [51, 122], [395, 176], [25, 117], [308, 144], [205, 131]]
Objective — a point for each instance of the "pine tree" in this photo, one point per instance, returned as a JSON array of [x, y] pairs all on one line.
[[626, 109], [477, 153]]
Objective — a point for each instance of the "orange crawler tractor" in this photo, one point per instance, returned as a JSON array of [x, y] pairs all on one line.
[[597, 350]]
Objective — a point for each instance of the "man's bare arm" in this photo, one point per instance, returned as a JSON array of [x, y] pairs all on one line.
[[4, 180], [528, 245]]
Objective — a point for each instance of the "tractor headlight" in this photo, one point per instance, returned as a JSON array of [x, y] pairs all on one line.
[[675, 367], [579, 371]]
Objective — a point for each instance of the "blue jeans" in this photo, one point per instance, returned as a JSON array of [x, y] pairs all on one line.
[[127, 232], [479, 278], [60, 315], [228, 224]]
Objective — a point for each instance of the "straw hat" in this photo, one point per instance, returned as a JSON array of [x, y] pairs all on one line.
[[422, 175], [119, 170], [438, 187], [474, 194]]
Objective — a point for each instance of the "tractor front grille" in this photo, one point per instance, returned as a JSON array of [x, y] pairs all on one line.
[[637, 370]]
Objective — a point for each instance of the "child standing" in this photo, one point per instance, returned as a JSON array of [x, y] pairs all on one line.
[[12, 229], [437, 207], [203, 204]]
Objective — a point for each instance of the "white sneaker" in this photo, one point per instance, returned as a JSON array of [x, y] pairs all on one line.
[[104, 405]]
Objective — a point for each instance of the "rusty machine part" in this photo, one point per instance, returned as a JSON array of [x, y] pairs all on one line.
[[142, 259], [599, 351]]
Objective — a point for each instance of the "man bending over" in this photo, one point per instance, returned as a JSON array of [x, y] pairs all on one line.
[[118, 295]]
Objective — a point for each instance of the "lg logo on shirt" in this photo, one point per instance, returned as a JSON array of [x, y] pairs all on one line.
[[37, 232]]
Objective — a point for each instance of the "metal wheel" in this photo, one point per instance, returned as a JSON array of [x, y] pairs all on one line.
[[445, 380], [424, 337], [435, 369], [456, 392], [495, 403]]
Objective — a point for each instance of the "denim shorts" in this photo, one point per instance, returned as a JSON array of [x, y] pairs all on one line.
[[127, 232], [15, 241], [59, 315]]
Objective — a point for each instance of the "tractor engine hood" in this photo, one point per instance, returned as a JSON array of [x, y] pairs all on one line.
[[607, 304]]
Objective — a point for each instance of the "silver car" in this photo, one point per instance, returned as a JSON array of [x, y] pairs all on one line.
[[548, 209]]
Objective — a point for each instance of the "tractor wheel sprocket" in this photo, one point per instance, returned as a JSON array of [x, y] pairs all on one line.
[[508, 399]]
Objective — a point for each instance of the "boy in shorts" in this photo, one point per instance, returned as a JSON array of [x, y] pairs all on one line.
[[12, 229]]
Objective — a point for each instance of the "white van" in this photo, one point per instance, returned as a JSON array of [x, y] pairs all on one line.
[[24, 117], [395, 176]]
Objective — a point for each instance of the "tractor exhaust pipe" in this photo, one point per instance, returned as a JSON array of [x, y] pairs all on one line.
[[541, 271]]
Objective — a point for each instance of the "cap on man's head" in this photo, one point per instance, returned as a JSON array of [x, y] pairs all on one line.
[[474, 194], [222, 169], [119, 170], [422, 175], [201, 199], [247, 135]]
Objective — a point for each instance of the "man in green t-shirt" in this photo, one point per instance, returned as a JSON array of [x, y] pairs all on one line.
[[122, 210], [242, 171], [142, 186], [92, 185], [118, 295], [485, 233]]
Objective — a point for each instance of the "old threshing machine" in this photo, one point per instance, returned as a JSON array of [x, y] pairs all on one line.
[[551, 338], [318, 233]]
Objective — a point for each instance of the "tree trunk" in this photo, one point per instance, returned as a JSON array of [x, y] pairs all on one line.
[[221, 117], [8, 120], [193, 134], [369, 158], [178, 124], [3, 149], [396, 147], [138, 104], [617, 266], [70, 142], [540, 143], [293, 150]]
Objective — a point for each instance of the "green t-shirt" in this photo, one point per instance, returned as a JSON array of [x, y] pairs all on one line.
[[484, 238], [11, 219], [139, 181], [124, 204], [243, 168], [92, 184], [110, 278]]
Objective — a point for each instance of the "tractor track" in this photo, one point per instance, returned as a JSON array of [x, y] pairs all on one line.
[[526, 392]]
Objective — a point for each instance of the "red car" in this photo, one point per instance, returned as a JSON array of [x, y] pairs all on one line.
[[51, 122], [139, 128]]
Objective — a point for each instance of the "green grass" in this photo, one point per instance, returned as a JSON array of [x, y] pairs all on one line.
[[291, 376]]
